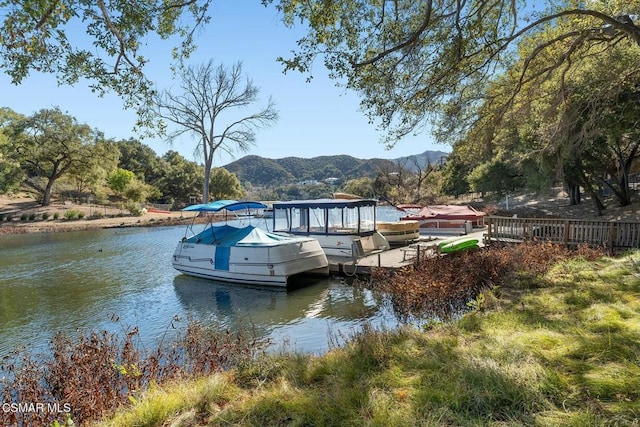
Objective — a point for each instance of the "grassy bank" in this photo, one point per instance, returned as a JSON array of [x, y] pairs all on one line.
[[560, 349]]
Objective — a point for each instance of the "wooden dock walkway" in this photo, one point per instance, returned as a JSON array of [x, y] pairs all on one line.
[[396, 257], [393, 258]]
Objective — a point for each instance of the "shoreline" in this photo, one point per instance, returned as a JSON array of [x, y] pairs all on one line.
[[527, 205], [63, 226]]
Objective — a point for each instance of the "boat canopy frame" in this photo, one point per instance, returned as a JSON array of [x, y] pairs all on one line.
[[326, 217], [214, 207]]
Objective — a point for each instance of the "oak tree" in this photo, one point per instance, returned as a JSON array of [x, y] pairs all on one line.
[[48, 145]]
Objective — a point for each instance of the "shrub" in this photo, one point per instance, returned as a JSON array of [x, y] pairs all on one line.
[[443, 286], [9, 217], [97, 215], [24, 217], [56, 215], [99, 371], [71, 214], [32, 217], [134, 208], [45, 216], [80, 215]]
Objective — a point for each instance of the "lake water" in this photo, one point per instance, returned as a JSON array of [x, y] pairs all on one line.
[[66, 282]]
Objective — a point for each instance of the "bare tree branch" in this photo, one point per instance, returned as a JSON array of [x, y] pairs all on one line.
[[207, 95]]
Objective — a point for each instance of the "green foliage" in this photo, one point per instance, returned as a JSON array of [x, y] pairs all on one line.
[[56, 215], [92, 173], [119, 179], [360, 186], [45, 216], [11, 175], [141, 160], [139, 191], [411, 61], [574, 124], [134, 208], [224, 185], [181, 179], [49, 145], [47, 37], [495, 176], [454, 176], [261, 171], [70, 214]]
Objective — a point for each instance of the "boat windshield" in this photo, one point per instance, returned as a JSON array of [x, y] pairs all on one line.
[[325, 219]]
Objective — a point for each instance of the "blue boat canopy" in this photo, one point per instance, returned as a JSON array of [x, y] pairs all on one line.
[[230, 236], [230, 205]]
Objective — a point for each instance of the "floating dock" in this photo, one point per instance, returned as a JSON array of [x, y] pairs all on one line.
[[394, 258], [391, 259]]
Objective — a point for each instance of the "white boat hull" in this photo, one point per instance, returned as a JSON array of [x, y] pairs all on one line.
[[271, 265], [347, 245]]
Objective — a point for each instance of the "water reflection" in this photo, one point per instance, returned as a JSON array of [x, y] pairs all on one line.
[[304, 316]]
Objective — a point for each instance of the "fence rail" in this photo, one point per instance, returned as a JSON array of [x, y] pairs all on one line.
[[615, 235]]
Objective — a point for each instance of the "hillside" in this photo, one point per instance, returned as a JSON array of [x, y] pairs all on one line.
[[266, 172]]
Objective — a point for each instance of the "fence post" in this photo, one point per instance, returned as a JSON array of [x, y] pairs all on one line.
[[566, 232], [612, 236]]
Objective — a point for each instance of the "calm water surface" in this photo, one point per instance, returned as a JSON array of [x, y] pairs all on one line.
[[65, 282]]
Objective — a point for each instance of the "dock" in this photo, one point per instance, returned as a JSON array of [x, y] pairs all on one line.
[[391, 259], [394, 258]]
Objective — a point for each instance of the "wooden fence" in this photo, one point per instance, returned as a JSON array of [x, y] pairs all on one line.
[[614, 235]]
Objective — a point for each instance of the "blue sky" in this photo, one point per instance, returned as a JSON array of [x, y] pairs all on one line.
[[316, 118]]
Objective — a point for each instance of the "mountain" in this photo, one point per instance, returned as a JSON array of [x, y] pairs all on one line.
[[419, 161], [288, 170]]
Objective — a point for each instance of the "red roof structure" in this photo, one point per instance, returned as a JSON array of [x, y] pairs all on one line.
[[444, 213]]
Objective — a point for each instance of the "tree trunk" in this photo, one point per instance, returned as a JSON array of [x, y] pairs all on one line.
[[46, 194], [588, 185], [207, 176], [597, 202], [573, 190]]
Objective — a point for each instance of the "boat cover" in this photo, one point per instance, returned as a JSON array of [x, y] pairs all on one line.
[[325, 203], [450, 212], [230, 205], [228, 236]]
